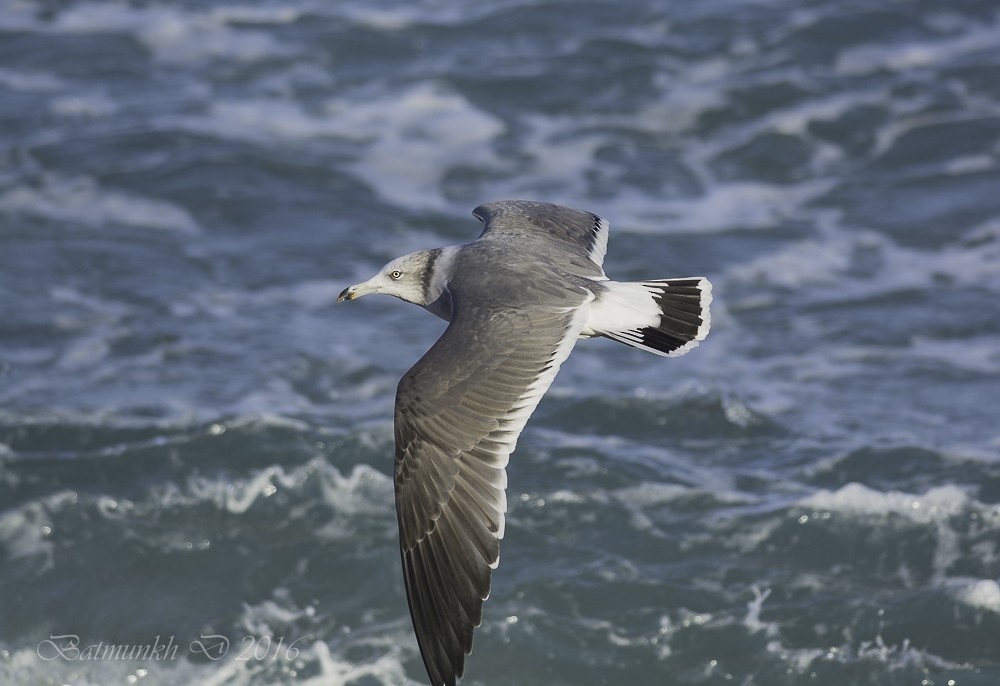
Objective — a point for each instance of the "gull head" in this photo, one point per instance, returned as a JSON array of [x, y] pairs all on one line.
[[405, 277]]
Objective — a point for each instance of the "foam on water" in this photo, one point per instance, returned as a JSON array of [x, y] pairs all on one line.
[[81, 200], [936, 505], [392, 17], [317, 661], [362, 493], [729, 206], [843, 265], [419, 135], [359, 499], [269, 121], [977, 593], [25, 531], [30, 81], [178, 388], [172, 35], [406, 141], [908, 57], [424, 120], [93, 106], [314, 665]]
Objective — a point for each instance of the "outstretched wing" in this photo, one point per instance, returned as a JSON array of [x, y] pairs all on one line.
[[582, 233], [459, 412]]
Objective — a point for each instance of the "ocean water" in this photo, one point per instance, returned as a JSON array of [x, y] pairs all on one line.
[[196, 443]]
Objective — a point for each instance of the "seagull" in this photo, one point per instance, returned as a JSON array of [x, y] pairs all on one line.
[[516, 299]]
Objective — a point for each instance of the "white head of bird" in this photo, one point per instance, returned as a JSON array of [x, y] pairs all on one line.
[[405, 277]]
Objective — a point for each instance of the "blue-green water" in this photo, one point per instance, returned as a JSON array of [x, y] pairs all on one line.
[[195, 442]]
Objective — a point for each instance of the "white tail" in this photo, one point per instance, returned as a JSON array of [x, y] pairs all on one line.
[[667, 316]]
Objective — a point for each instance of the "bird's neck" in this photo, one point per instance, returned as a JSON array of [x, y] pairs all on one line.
[[435, 281]]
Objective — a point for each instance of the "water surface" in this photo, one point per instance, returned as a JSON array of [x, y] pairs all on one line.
[[195, 442]]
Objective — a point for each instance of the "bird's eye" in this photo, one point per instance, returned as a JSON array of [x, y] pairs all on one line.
[[395, 274]]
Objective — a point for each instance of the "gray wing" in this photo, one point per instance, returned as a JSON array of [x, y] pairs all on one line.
[[459, 412], [583, 233]]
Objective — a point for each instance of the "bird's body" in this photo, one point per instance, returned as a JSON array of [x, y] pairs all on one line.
[[517, 300]]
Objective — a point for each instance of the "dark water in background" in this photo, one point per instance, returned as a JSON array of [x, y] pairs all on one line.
[[194, 440]]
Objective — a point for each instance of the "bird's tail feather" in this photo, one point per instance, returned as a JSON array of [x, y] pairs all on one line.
[[683, 316]]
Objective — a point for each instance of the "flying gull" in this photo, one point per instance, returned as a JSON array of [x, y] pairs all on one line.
[[517, 300]]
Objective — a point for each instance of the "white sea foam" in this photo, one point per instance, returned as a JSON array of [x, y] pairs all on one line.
[[752, 620], [23, 665], [975, 354], [283, 82], [406, 141], [895, 656], [85, 309], [275, 393], [907, 56], [936, 508], [26, 530], [30, 81], [314, 665], [409, 140], [936, 505], [970, 164], [652, 494], [325, 667], [80, 200], [638, 498], [172, 35], [722, 207], [91, 325], [85, 351], [361, 494], [813, 262], [418, 135], [396, 16], [277, 15], [828, 264], [91, 106], [563, 154], [559, 155], [978, 593], [262, 120], [360, 497], [385, 649]]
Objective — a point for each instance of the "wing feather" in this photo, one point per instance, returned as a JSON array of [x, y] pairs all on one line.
[[582, 235], [459, 412]]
